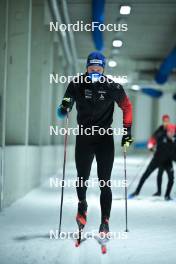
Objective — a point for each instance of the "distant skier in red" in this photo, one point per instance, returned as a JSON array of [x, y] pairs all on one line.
[[164, 140], [152, 146]]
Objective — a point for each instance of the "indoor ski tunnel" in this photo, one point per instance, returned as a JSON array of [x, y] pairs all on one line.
[[46, 46]]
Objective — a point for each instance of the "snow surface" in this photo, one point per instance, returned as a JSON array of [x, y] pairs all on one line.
[[25, 225]]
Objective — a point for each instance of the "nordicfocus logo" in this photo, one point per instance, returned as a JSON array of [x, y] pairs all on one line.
[[89, 131], [55, 78], [56, 182], [80, 26], [54, 234]]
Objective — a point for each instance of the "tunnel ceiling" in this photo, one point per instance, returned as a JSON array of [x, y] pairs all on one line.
[[151, 23], [150, 36]]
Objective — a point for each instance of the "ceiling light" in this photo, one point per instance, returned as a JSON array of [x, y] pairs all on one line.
[[125, 10], [135, 87], [117, 43], [112, 63]]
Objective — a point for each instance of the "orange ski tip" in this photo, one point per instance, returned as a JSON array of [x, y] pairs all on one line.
[[77, 244], [103, 250]]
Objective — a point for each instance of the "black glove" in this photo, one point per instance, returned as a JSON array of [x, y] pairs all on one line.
[[152, 149], [127, 139], [66, 105]]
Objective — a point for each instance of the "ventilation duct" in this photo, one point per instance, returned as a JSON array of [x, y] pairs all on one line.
[[98, 16], [166, 67]]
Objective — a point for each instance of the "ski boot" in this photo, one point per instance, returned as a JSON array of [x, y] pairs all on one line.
[[157, 194], [132, 195], [167, 198], [103, 234], [81, 217], [104, 226]]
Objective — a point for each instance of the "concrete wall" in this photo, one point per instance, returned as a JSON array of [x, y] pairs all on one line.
[[28, 102], [3, 21], [142, 118], [27, 166], [167, 106]]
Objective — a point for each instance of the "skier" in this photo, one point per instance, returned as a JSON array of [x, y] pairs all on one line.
[[162, 159], [151, 146], [95, 95]]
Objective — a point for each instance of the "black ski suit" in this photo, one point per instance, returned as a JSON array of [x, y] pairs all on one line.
[[161, 169], [159, 180], [95, 107], [162, 159]]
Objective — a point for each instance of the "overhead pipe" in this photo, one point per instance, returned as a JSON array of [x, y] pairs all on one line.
[[70, 34], [57, 17], [154, 93], [98, 16], [166, 68]]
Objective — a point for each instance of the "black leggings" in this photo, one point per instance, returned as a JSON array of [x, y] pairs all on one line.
[[159, 179], [102, 147], [151, 167]]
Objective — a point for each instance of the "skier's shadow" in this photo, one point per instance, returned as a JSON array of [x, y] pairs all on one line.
[[29, 237], [37, 236]]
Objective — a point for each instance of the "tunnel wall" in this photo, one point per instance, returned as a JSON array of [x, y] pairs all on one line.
[[29, 52], [26, 167]]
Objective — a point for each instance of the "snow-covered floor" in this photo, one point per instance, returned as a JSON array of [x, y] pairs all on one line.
[[25, 226]]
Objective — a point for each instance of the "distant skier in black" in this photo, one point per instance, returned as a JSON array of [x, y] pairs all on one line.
[[95, 97], [152, 145], [163, 158]]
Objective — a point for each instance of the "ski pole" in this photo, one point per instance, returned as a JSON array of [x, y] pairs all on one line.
[[63, 177], [126, 204], [141, 168]]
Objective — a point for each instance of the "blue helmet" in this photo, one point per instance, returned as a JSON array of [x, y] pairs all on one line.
[[96, 58]]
